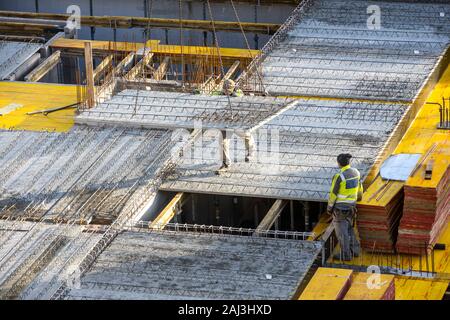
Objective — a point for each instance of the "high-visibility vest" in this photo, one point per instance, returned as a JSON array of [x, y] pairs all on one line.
[[346, 187]]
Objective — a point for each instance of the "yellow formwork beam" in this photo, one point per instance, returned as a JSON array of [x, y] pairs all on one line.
[[138, 69], [160, 73], [46, 66], [100, 46], [29, 97], [176, 52], [145, 22], [327, 284], [167, 213], [361, 287], [103, 66]]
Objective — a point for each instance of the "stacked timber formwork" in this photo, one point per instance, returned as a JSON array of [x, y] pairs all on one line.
[[379, 216], [427, 206]]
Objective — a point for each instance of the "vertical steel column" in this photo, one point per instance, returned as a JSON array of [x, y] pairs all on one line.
[[256, 37], [36, 5], [91, 12], [146, 15], [205, 33]]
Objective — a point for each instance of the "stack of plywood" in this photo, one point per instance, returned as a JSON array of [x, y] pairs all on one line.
[[379, 214], [328, 284], [365, 288], [426, 209]]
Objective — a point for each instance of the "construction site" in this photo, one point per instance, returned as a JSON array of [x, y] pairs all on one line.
[[114, 114]]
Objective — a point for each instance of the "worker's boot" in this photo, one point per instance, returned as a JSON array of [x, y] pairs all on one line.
[[224, 167]]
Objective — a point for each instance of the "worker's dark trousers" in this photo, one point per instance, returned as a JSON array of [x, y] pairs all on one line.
[[343, 225]]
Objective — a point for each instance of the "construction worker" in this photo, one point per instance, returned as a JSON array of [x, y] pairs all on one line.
[[346, 190], [230, 89]]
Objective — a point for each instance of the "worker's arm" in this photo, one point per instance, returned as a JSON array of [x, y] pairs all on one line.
[[360, 191], [333, 193]]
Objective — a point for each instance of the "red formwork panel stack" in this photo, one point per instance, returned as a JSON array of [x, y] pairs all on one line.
[[378, 220], [426, 213]]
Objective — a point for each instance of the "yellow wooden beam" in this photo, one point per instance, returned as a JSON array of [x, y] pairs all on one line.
[[41, 70], [101, 68], [123, 63], [208, 86], [328, 284], [167, 213], [271, 216], [231, 71], [360, 289], [138, 69], [90, 90], [20, 28], [162, 69], [142, 22], [100, 47], [175, 52]]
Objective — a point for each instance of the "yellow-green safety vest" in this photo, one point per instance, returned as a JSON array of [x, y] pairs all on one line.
[[346, 188]]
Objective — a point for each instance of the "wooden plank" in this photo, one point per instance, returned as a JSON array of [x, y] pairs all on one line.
[[231, 71], [27, 28], [229, 55], [271, 216], [139, 67], [328, 284], [90, 90], [162, 69], [101, 68], [208, 86], [143, 22], [361, 290], [167, 213], [101, 47], [41, 70], [123, 64]]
